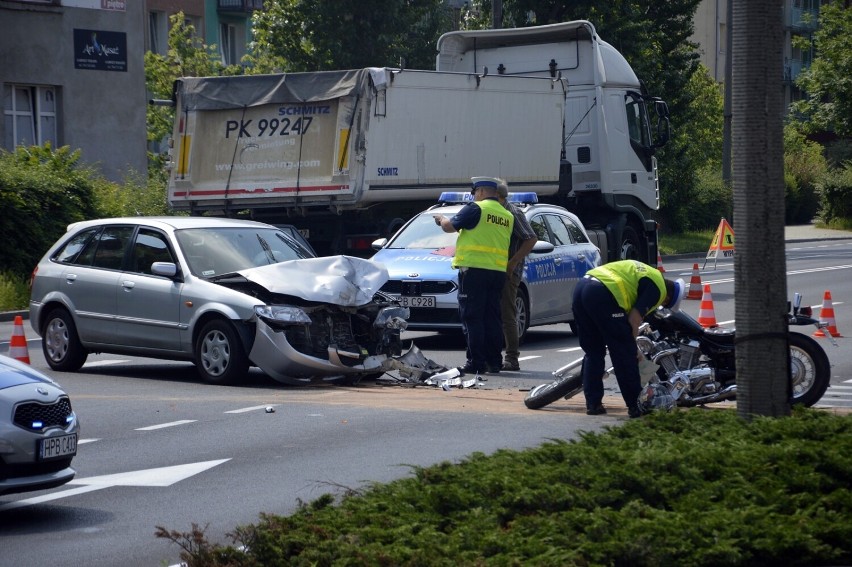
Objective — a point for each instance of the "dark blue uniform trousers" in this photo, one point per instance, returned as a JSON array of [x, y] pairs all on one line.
[[479, 310], [603, 324]]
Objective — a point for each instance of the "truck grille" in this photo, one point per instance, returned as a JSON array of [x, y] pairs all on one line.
[[48, 415]]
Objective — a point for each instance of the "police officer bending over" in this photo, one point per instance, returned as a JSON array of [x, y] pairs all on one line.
[[609, 304]]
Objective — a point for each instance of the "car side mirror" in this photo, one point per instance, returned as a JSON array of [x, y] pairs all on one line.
[[379, 243], [543, 247], [166, 269]]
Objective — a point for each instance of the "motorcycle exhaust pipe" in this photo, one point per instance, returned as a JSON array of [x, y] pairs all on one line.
[[728, 393]]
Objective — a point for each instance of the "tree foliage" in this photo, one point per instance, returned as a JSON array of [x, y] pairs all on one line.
[[187, 56], [41, 192], [804, 167], [322, 35], [828, 81]]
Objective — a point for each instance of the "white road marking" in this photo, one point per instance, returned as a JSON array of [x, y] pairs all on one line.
[[104, 363], [253, 408], [82, 441], [162, 425], [159, 477]]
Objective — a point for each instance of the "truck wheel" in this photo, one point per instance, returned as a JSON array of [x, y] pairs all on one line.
[[630, 244]]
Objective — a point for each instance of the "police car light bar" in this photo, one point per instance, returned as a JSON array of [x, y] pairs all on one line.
[[528, 197]]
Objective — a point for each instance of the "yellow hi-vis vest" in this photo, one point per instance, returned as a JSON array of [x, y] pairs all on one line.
[[487, 244], [622, 280]]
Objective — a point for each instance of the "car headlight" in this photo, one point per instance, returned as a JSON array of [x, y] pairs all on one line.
[[392, 318], [283, 314]]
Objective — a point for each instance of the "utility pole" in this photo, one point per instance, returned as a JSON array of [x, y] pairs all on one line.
[[497, 14]]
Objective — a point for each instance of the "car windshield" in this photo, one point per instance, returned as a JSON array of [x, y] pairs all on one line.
[[423, 233], [215, 251]]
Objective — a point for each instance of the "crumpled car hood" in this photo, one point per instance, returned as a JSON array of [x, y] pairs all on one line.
[[339, 280]]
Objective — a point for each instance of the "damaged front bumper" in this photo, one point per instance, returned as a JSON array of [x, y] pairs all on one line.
[[300, 346]]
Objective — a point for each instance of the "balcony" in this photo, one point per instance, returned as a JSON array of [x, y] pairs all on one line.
[[240, 6], [803, 19]]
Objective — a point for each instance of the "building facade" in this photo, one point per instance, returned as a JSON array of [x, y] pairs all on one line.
[[73, 75], [223, 23], [800, 21]]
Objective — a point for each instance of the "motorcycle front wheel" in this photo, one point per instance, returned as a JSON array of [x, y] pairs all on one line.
[[810, 371], [566, 386]]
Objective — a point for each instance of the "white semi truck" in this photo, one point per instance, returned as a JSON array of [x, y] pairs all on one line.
[[348, 156]]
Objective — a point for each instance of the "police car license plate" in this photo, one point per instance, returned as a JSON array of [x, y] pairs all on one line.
[[417, 301], [55, 447]]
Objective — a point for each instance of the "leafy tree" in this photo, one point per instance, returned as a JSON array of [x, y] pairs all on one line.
[[322, 35], [828, 81], [804, 167], [187, 56], [42, 190]]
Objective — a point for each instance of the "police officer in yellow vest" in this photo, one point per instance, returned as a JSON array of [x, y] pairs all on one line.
[[609, 304], [482, 255]]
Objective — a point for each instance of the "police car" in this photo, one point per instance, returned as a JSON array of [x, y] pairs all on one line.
[[419, 257]]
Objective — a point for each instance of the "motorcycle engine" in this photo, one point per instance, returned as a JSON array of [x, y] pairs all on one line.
[[681, 363]]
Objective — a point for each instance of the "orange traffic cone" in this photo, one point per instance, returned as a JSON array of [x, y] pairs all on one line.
[[18, 347], [694, 284], [826, 315], [706, 313], [660, 263]]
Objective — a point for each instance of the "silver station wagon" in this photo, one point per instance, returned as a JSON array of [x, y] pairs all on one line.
[[223, 293]]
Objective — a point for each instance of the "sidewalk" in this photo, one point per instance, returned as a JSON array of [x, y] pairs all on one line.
[[798, 233]]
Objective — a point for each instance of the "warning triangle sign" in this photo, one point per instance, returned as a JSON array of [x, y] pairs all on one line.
[[722, 244]]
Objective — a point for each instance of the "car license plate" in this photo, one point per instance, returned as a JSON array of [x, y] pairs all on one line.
[[55, 447], [417, 301]]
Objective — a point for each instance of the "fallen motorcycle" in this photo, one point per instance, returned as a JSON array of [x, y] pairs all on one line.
[[692, 365]]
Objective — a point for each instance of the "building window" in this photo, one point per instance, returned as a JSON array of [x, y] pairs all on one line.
[[157, 33], [228, 44], [29, 115]]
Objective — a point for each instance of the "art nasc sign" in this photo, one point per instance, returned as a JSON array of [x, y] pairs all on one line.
[[100, 50]]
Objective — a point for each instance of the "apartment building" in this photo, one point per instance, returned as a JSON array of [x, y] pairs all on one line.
[[800, 20], [223, 23], [73, 70], [72, 74]]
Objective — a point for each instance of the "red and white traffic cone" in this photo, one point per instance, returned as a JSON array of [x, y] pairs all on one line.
[[18, 346], [826, 315], [694, 284], [706, 313]]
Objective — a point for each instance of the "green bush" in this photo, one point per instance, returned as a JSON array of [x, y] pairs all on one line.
[[835, 191], [804, 166], [43, 190], [692, 487], [14, 292], [711, 202]]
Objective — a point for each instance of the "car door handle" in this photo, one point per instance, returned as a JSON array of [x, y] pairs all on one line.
[[557, 260], [70, 278], [581, 257], [127, 284]]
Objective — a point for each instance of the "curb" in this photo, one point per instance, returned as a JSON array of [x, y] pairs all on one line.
[[6, 316]]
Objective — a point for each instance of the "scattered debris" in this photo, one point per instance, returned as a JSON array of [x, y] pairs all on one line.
[[417, 370]]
